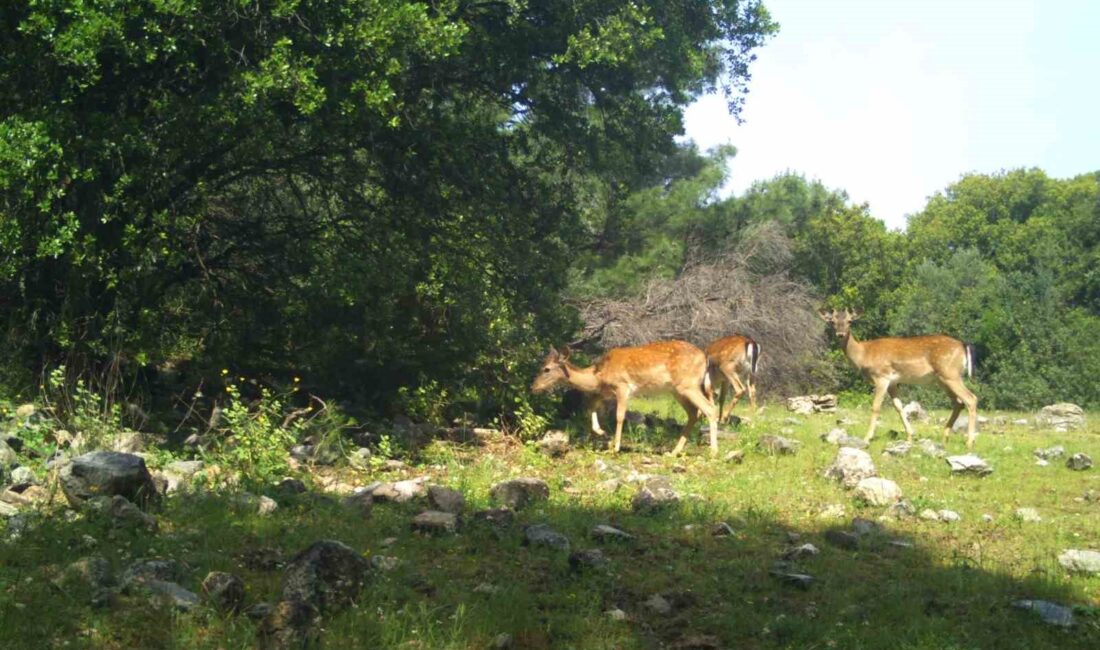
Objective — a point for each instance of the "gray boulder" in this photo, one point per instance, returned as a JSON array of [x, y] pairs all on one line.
[[1080, 561], [554, 444], [224, 590], [1061, 417], [520, 492], [1051, 613], [807, 404], [778, 445], [435, 521], [1030, 515], [850, 467], [1079, 462], [289, 625], [592, 558], [654, 496], [878, 491], [605, 533], [915, 412], [23, 477], [931, 448], [328, 575], [445, 499], [399, 491], [900, 448], [543, 535], [107, 473], [1050, 453]]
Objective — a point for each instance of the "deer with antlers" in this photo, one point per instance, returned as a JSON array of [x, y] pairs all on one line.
[[732, 362], [665, 366], [890, 361]]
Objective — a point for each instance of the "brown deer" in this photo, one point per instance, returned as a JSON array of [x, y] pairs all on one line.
[[664, 366], [890, 361], [732, 362]]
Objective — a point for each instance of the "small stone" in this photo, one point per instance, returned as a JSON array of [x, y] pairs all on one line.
[[259, 611], [499, 517], [914, 411], [1080, 561], [658, 605], [399, 491], [503, 642], [616, 614], [361, 501], [832, 511], [650, 500], [124, 513], [1079, 462], [1041, 462], [929, 514], [172, 594], [592, 558], [265, 505], [605, 533], [1061, 417], [543, 535], [328, 575], [224, 590], [1051, 613], [778, 445], [800, 580], [931, 448], [1050, 453], [290, 486], [903, 508], [834, 436], [850, 467], [610, 485], [520, 492], [737, 456], [1028, 515], [23, 477], [949, 516], [435, 521], [800, 552], [899, 543], [842, 539], [987, 518], [722, 529], [864, 527], [554, 444], [878, 491], [486, 588], [289, 624], [969, 464], [900, 448], [445, 499]]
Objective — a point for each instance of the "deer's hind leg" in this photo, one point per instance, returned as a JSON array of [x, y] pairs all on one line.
[[693, 417], [701, 404]]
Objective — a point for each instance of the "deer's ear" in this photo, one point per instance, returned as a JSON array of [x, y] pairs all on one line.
[[565, 352], [855, 314], [552, 355], [825, 315]]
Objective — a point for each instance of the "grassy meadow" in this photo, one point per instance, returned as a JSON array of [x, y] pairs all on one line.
[[951, 589]]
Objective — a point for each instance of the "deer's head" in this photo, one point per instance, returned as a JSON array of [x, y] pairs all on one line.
[[552, 372], [841, 320]]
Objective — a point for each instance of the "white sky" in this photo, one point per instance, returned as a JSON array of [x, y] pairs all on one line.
[[893, 100]]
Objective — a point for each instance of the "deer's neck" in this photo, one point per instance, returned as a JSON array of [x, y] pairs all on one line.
[[854, 349], [583, 379]]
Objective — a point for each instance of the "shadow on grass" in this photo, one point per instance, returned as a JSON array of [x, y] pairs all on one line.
[[463, 590]]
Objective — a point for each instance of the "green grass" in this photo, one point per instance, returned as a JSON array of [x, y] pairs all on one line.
[[952, 589]]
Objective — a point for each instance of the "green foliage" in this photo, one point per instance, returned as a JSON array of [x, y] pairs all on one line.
[[256, 435]]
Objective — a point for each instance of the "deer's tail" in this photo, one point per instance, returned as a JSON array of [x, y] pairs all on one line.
[[752, 349]]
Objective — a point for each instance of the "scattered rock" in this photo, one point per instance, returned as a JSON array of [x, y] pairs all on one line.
[[360, 458], [1051, 613], [721, 529], [592, 558], [1061, 417], [834, 436], [263, 505], [1079, 462], [800, 580], [1050, 453], [864, 527], [610, 485], [224, 590], [969, 464], [929, 514], [832, 511], [172, 594], [290, 625], [486, 588], [385, 563], [931, 448], [435, 521], [842, 539], [605, 533], [179, 474], [900, 448], [903, 508], [949, 516], [801, 552], [327, 575], [778, 445], [850, 467], [498, 517], [543, 535], [658, 605], [93, 572], [554, 444], [987, 518], [1080, 561], [519, 492], [123, 513], [1021, 422], [1028, 515], [963, 422], [399, 491], [361, 501], [145, 570], [107, 473], [24, 411], [129, 442], [1041, 463], [736, 456], [289, 487], [258, 611], [807, 404], [616, 614], [915, 412], [503, 642], [445, 499], [878, 491], [22, 477], [653, 499]]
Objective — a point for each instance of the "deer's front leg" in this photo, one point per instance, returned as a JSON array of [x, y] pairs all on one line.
[[876, 405]]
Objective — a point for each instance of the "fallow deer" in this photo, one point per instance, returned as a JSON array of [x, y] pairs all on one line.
[[890, 361], [664, 366], [732, 362]]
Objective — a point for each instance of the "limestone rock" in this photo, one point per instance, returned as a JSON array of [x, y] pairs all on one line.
[[543, 535], [224, 590], [605, 533], [435, 521], [1079, 462], [806, 404], [1081, 561], [107, 473], [554, 444], [445, 499], [1051, 613], [850, 467], [327, 575], [969, 464], [878, 491], [1061, 417], [289, 625], [778, 445]]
